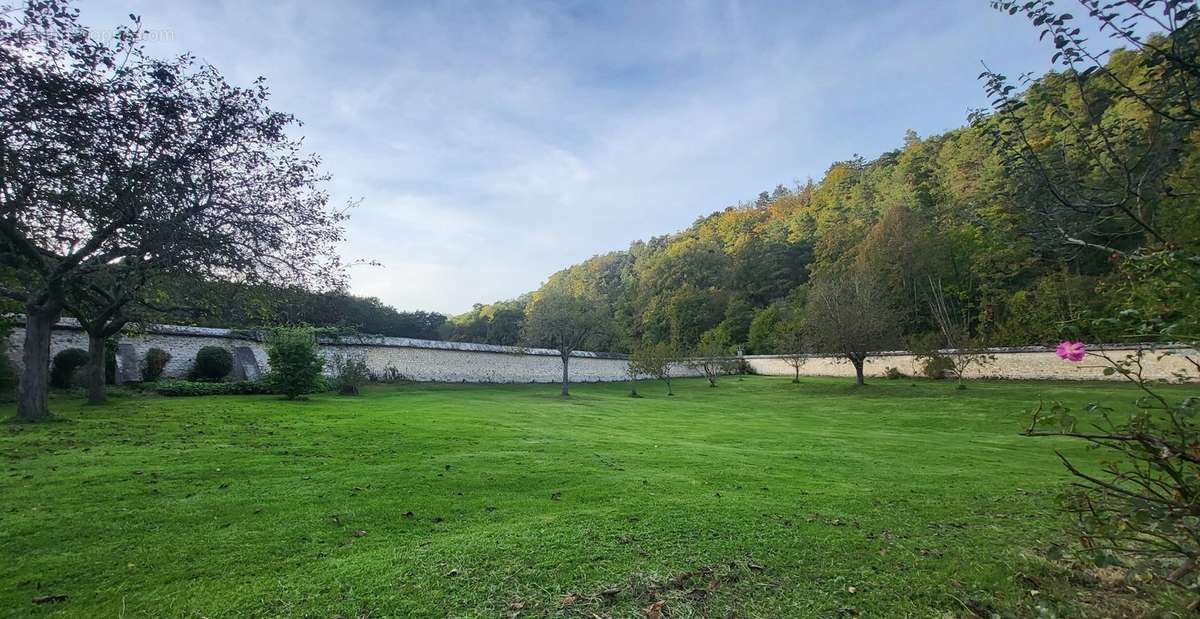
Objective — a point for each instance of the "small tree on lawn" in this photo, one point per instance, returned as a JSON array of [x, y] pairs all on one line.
[[655, 360], [296, 364], [566, 323], [711, 356], [851, 314], [954, 323], [793, 346]]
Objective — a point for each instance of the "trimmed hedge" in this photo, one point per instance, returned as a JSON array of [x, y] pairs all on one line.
[[187, 388], [212, 363], [155, 362], [65, 363]]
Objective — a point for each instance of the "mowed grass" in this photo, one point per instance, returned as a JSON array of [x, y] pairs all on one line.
[[758, 497]]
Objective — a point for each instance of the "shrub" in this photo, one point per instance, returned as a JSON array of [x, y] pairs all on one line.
[[937, 366], [893, 374], [389, 374], [295, 362], [65, 363], [213, 363], [349, 373], [188, 388], [154, 363]]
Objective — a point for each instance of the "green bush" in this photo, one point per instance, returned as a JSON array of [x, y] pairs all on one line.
[[389, 374], [295, 362], [188, 388], [893, 374], [349, 373], [66, 362], [213, 363], [938, 366], [154, 363]]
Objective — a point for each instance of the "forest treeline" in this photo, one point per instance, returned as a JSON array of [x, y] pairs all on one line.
[[949, 212]]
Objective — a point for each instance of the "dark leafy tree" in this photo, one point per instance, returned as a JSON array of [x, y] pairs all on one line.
[[115, 166]]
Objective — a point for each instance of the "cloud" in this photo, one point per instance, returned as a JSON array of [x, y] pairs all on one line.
[[493, 144]]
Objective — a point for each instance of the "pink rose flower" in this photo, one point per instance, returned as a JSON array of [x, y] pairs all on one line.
[[1070, 351]]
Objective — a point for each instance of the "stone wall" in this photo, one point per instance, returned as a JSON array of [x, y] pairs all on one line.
[[422, 360], [1033, 363], [428, 360]]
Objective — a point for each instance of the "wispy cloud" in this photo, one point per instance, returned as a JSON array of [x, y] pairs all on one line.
[[493, 144]]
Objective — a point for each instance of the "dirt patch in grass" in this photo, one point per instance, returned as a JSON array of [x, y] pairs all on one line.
[[692, 593]]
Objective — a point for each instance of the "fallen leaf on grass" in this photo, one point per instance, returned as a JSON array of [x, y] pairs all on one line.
[[556, 496], [568, 600], [654, 611], [53, 597], [517, 605], [359, 533]]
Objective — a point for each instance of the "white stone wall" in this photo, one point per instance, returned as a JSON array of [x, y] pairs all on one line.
[[1022, 363], [426, 360], [421, 360]]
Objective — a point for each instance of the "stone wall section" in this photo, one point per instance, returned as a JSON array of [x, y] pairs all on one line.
[[428, 360], [1030, 363], [421, 360]]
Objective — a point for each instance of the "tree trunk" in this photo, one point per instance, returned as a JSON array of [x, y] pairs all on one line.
[[32, 403], [566, 359], [669, 392], [858, 370], [796, 380], [95, 370]]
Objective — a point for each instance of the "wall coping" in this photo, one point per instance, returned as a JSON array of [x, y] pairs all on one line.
[[258, 335]]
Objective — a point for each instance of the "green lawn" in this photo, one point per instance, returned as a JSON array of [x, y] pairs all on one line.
[[761, 497]]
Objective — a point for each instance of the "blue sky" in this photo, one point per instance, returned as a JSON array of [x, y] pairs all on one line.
[[495, 143]]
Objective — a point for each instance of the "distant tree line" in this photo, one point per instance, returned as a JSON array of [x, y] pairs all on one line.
[[977, 224], [223, 304]]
